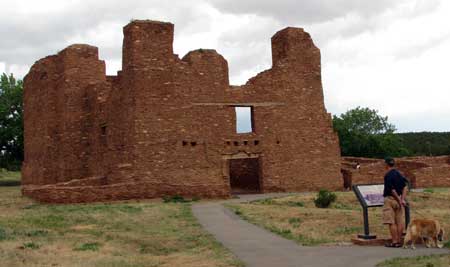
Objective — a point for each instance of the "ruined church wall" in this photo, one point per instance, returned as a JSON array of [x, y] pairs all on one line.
[[60, 100], [166, 126], [171, 145]]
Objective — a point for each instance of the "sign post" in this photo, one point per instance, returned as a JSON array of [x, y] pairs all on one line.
[[371, 195], [368, 195]]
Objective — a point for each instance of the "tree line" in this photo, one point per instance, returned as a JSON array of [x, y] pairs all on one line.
[[426, 143], [11, 122], [365, 133], [362, 132]]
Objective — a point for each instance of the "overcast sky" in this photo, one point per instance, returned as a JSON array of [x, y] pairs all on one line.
[[393, 56]]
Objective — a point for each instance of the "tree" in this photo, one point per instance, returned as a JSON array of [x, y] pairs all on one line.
[[11, 122], [364, 133]]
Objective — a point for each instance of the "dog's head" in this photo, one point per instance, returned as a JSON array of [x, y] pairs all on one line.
[[440, 238]]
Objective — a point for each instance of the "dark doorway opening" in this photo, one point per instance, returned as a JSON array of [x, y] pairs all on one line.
[[244, 176], [347, 176]]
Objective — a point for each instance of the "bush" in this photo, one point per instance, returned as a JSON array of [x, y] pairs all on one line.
[[324, 199]]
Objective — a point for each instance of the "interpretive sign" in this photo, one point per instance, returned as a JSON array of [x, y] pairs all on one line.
[[371, 195]]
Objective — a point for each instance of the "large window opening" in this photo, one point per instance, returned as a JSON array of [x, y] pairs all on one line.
[[244, 119]]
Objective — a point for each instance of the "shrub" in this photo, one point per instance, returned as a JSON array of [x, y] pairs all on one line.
[[324, 199]]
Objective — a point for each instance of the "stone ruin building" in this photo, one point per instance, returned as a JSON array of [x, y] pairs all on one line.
[[166, 126], [421, 171]]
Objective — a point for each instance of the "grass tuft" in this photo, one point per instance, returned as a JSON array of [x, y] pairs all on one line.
[[94, 246], [31, 245], [3, 235]]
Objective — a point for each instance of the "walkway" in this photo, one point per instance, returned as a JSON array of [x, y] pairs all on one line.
[[257, 247]]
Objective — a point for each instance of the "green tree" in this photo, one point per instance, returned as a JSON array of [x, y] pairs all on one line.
[[364, 133], [11, 122]]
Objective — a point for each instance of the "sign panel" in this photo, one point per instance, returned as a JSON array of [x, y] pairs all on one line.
[[372, 195]]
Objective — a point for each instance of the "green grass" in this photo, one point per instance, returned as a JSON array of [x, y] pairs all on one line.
[[348, 230], [421, 261], [9, 178], [94, 246], [308, 225], [138, 234], [31, 245]]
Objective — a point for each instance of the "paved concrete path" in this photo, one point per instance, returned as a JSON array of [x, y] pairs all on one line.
[[257, 247]]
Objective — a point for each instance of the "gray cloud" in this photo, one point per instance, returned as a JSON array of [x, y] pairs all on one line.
[[305, 11], [28, 38], [419, 49]]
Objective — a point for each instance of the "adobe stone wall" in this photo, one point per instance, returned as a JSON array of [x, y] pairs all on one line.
[[421, 171], [165, 125]]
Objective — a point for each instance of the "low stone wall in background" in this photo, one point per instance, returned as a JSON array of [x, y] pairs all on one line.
[[421, 171]]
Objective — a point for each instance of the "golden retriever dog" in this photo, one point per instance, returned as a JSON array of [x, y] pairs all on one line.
[[429, 230]]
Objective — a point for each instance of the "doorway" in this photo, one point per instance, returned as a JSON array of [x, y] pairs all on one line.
[[245, 175]]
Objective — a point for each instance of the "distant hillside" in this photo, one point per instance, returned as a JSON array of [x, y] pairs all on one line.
[[426, 143]]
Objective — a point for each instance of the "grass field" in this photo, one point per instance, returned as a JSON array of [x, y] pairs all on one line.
[[422, 261], [296, 217], [8, 178], [125, 234]]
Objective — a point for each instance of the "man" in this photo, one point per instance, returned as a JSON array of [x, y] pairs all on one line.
[[395, 190]]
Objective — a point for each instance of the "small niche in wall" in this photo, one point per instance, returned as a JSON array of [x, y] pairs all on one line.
[[193, 143], [256, 142], [184, 143], [103, 127], [43, 76]]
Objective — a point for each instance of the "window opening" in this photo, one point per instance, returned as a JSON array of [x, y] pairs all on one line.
[[244, 119]]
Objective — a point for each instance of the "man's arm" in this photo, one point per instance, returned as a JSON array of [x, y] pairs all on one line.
[[396, 196], [404, 192]]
